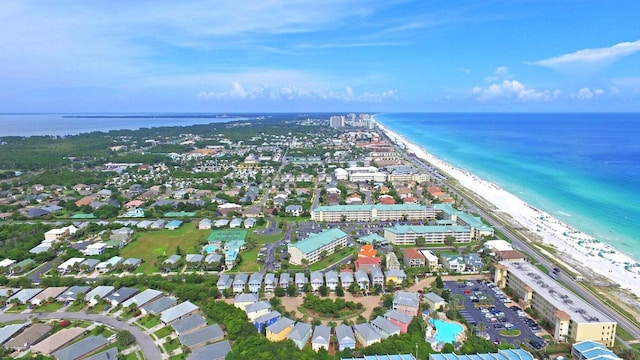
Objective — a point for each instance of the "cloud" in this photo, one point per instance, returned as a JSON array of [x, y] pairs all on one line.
[[587, 94], [600, 56], [513, 89], [287, 93], [499, 74]]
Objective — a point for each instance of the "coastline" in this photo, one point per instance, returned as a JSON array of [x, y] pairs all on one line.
[[577, 248]]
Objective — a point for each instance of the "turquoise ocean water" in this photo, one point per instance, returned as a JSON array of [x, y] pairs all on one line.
[[582, 168]]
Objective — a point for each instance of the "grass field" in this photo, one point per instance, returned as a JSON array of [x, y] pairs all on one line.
[[149, 245]]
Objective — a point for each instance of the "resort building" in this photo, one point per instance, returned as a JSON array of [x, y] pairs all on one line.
[[432, 234], [312, 247], [591, 350], [572, 318], [377, 212], [478, 228], [512, 354]]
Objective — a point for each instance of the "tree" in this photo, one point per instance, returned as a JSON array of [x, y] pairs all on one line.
[[280, 292], [124, 338], [449, 240], [439, 282], [323, 290], [339, 291], [420, 241], [292, 289]]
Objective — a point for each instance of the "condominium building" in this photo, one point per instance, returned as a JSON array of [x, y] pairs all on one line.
[[478, 228], [571, 318], [379, 212], [313, 246], [432, 234]]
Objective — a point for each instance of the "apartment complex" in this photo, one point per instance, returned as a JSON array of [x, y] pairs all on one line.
[[572, 318], [310, 248], [377, 212], [432, 234], [477, 227]]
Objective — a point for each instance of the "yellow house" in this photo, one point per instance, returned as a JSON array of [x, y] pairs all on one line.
[[280, 329]]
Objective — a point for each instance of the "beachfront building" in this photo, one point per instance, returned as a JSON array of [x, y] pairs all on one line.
[[510, 354], [312, 247], [432, 234], [378, 212], [478, 228], [572, 318]]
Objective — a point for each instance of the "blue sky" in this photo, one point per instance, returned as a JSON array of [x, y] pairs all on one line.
[[330, 55]]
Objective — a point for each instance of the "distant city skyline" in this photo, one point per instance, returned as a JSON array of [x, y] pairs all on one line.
[[324, 56]]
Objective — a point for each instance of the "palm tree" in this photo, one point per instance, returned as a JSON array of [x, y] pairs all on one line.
[[482, 327]]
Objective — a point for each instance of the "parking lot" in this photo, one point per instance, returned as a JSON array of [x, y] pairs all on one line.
[[485, 303]]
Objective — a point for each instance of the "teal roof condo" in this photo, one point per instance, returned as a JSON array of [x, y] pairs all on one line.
[[462, 218], [310, 248], [432, 234], [516, 354], [379, 212]]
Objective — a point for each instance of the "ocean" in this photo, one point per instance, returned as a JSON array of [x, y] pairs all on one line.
[[74, 124], [583, 169]]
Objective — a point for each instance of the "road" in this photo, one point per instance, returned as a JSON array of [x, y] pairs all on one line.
[[144, 341], [519, 243]]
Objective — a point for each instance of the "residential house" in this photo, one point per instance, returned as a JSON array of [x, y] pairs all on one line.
[[29, 336], [300, 280], [300, 334], [399, 319], [285, 279], [177, 312], [109, 265], [395, 276], [346, 279], [242, 300], [202, 336], [366, 334], [362, 279], [249, 223], [120, 296], [72, 293], [367, 263], [266, 320], [95, 249], [143, 298], [453, 263], [70, 265], [240, 283], [434, 301], [159, 305], [331, 280], [173, 225], [392, 261], [235, 223], [98, 293], [46, 294], [413, 258], [279, 330], [317, 280], [345, 337], [205, 224], [171, 262], [81, 348], [293, 210], [321, 337], [385, 327], [257, 309], [194, 260], [269, 283], [377, 277], [255, 282], [23, 296], [225, 281], [216, 351], [431, 260], [407, 302], [473, 262]]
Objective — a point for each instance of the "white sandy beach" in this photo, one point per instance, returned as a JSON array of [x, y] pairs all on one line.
[[581, 248]]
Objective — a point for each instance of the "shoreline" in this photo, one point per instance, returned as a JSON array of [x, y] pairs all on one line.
[[578, 247]]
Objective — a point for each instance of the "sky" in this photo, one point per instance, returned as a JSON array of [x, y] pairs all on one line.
[[329, 55]]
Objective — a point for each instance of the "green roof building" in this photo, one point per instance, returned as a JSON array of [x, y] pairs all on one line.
[[478, 228], [432, 234], [312, 247], [378, 212]]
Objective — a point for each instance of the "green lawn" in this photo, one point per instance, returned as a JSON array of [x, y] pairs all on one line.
[[133, 356], [164, 332], [250, 257], [331, 259], [171, 345], [149, 321], [149, 245], [50, 307]]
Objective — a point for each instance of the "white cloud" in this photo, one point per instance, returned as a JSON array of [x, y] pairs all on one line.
[[238, 92], [587, 94], [513, 89], [499, 74], [600, 56]]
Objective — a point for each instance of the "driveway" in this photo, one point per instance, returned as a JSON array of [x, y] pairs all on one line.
[[148, 347]]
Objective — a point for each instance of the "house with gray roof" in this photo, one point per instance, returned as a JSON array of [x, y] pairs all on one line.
[[300, 334], [257, 309], [331, 280], [172, 260], [7, 332], [131, 264], [225, 281], [317, 280], [57, 340], [201, 337], [255, 282], [385, 327], [249, 223], [406, 302], [399, 319], [72, 293], [110, 354], [88, 265], [24, 295], [362, 279], [82, 348], [346, 279], [269, 283], [285, 278], [159, 305], [345, 337], [143, 298], [321, 337], [242, 300], [377, 277], [366, 334], [235, 222], [240, 282], [282, 326], [177, 312], [266, 320], [98, 293], [194, 260], [121, 295], [189, 323], [213, 259], [434, 300], [300, 280], [217, 351]]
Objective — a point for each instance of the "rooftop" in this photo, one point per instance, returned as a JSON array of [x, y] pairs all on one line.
[[315, 241]]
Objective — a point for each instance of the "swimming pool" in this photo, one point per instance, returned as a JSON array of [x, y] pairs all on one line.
[[446, 331], [210, 248]]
